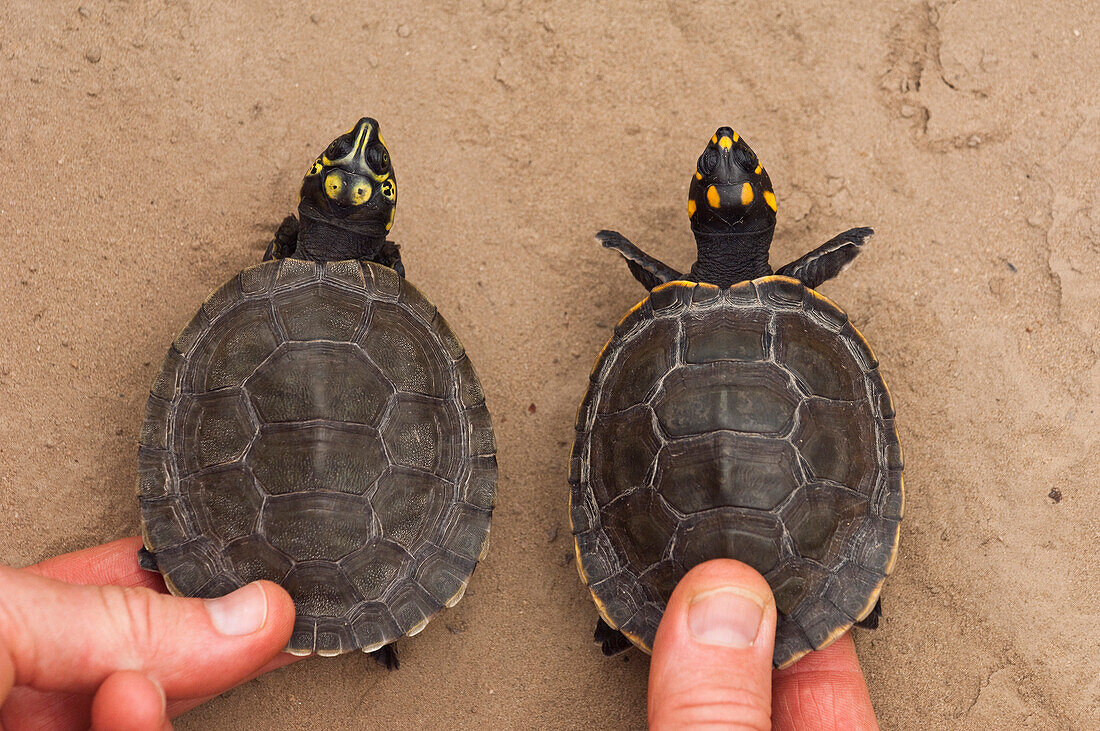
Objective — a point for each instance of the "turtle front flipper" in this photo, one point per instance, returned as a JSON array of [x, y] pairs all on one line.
[[285, 241], [647, 270], [829, 259], [390, 256], [147, 560]]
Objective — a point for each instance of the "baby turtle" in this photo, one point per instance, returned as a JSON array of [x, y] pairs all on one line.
[[318, 424], [736, 413]]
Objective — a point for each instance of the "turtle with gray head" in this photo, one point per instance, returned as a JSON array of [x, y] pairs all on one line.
[[738, 413], [318, 424]]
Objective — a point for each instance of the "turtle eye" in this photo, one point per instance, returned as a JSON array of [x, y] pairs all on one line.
[[708, 161], [744, 158], [378, 158], [339, 148]]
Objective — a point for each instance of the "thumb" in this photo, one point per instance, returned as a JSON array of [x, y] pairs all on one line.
[[712, 658], [64, 637]]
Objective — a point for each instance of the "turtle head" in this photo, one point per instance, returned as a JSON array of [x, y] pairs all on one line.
[[351, 184], [730, 191]]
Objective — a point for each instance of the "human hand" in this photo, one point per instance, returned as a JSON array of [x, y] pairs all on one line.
[[712, 662], [91, 639]]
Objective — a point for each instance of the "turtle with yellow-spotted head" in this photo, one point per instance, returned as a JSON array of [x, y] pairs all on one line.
[[737, 413], [318, 424], [346, 204]]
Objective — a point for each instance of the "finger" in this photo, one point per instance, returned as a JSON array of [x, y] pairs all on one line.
[[712, 658], [112, 563], [60, 711], [823, 690], [68, 637], [129, 701], [177, 707], [30, 709]]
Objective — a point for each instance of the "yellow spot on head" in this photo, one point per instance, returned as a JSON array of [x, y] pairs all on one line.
[[691, 208], [746, 194], [698, 175], [389, 189], [714, 139], [316, 169], [334, 183], [769, 198], [712, 197], [736, 137], [360, 194], [389, 223], [759, 168], [725, 143]]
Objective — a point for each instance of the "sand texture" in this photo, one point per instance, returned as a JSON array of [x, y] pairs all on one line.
[[149, 149]]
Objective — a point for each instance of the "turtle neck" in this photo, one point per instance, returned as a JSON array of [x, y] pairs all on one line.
[[728, 258], [321, 240]]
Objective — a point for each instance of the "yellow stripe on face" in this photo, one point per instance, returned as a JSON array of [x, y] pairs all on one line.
[[714, 139], [769, 198], [357, 148], [712, 197], [736, 137], [691, 208], [698, 175], [759, 169], [746, 194]]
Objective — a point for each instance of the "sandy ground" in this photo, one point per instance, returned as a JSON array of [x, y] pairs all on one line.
[[149, 148]]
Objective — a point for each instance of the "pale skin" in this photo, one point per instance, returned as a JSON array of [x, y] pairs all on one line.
[[712, 663], [90, 640]]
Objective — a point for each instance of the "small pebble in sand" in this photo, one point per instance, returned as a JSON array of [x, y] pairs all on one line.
[[552, 534], [404, 31], [1055, 494], [92, 55], [532, 408]]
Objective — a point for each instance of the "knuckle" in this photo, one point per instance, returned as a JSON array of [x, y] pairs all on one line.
[[716, 707], [132, 614]]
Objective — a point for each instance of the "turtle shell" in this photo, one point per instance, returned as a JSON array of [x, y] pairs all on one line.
[[319, 425], [751, 423]]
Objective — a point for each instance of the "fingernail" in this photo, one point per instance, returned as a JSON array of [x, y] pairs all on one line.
[[163, 697], [240, 613], [727, 616]]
